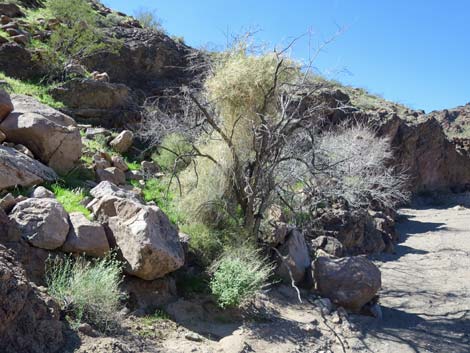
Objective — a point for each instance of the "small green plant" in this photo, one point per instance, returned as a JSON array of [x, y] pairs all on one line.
[[173, 153], [238, 274], [34, 89], [88, 291], [70, 199], [149, 19]]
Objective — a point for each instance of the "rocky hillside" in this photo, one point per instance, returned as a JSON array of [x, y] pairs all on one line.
[[98, 254]]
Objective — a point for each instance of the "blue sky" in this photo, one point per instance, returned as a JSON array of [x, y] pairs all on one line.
[[415, 52]]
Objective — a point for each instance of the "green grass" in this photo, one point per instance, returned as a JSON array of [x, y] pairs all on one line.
[[33, 89], [132, 165], [70, 199], [147, 324], [157, 190], [88, 291]]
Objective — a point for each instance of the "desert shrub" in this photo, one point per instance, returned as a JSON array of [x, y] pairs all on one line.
[[76, 38], [237, 275], [88, 291], [357, 167], [149, 19], [174, 153]]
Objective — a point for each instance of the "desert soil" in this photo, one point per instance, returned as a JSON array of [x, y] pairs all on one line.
[[426, 285]]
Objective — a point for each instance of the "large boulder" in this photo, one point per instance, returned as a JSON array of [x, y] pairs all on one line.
[[98, 102], [16, 61], [85, 237], [92, 94], [17, 169], [354, 229], [147, 240], [6, 106], [29, 319], [148, 60], [296, 257], [106, 188], [42, 222], [53, 137], [349, 282]]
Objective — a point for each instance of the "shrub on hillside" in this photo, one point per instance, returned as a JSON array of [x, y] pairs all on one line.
[[149, 19], [88, 291], [76, 38], [237, 275]]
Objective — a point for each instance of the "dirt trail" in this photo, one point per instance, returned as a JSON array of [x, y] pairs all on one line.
[[426, 287]]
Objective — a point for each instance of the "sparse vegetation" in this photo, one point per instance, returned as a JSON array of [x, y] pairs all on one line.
[[88, 291], [75, 38], [149, 19], [38, 90], [237, 275]]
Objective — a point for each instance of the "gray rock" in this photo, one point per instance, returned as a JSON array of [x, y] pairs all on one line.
[[112, 174], [123, 141], [148, 241], [92, 94], [330, 245], [106, 188], [53, 137], [42, 193], [42, 222], [17, 169], [296, 257], [85, 237]]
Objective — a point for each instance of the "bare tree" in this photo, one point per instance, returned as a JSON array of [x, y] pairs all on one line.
[[261, 111]]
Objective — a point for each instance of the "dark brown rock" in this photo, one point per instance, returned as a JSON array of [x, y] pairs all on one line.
[[29, 319], [10, 10], [350, 282], [6, 106]]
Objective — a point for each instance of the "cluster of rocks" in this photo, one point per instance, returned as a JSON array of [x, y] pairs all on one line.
[[321, 263], [148, 242]]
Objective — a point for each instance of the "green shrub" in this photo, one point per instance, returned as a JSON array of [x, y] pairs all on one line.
[[172, 153], [149, 19], [88, 291], [237, 275], [70, 199]]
